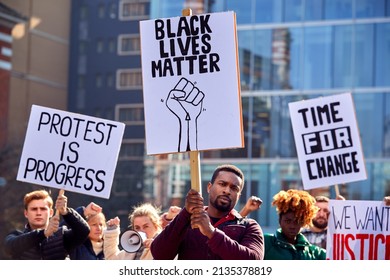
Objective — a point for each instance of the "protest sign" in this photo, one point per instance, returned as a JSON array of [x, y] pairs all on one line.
[[358, 230], [70, 151], [191, 83], [327, 141]]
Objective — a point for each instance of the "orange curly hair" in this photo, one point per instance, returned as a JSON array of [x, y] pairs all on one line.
[[297, 201]]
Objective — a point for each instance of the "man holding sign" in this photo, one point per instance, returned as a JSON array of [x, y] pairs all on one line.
[[43, 238], [215, 232]]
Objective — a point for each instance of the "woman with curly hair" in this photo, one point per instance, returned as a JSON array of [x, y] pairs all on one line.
[[296, 209]]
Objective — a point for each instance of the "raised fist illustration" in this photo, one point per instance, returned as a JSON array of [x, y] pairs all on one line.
[[185, 101]]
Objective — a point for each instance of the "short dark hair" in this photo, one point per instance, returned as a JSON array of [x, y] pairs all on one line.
[[229, 168]]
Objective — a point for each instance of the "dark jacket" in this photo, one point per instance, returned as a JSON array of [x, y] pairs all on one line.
[[278, 248], [33, 245], [85, 252], [235, 238]]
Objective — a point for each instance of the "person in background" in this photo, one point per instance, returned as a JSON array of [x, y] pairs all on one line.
[[252, 204], [216, 231], [317, 232], [43, 238], [296, 209], [92, 248], [168, 216]]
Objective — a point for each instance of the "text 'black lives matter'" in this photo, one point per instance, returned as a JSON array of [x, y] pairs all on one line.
[[186, 46]]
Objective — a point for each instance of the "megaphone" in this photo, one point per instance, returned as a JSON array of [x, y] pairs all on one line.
[[131, 240]]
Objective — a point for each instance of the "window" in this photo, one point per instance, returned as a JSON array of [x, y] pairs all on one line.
[[99, 80], [314, 10], [82, 47], [113, 10], [318, 57], [370, 8], [134, 10], [129, 44], [83, 12], [292, 10], [99, 46], [243, 10], [382, 54], [268, 11], [111, 45], [110, 80], [363, 50], [131, 149], [338, 9], [101, 11], [131, 114], [342, 58], [81, 82], [371, 39], [129, 79]]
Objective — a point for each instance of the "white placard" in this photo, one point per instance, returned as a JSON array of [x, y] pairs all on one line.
[[191, 83], [70, 151], [358, 230], [327, 141]]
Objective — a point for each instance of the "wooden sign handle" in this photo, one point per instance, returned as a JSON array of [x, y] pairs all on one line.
[[336, 188], [194, 155], [195, 171], [62, 191], [186, 12]]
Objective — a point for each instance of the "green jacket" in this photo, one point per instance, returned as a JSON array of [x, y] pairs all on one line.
[[277, 248]]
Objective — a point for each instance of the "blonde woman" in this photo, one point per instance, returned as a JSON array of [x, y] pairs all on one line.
[[144, 218]]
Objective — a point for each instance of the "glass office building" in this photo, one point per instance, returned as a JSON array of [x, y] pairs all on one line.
[[289, 50]]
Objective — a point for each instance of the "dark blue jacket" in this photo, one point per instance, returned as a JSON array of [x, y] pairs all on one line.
[[33, 244], [85, 252]]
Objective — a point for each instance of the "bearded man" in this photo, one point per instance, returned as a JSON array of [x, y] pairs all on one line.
[[213, 232]]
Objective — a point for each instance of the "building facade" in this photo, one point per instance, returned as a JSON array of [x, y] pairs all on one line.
[[289, 50], [34, 50], [9, 18], [105, 81]]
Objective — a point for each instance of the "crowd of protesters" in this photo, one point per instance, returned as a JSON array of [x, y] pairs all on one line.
[[201, 231]]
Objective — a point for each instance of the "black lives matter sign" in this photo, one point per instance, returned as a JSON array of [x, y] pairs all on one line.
[[189, 68], [327, 141], [70, 151]]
